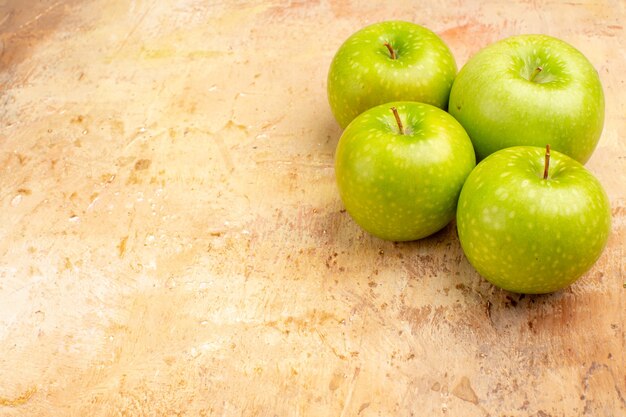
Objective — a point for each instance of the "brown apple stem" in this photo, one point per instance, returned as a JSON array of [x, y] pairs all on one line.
[[534, 74], [547, 163], [391, 51], [397, 116]]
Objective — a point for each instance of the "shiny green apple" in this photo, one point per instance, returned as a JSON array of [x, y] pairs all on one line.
[[529, 229], [400, 178], [529, 90], [385, 62]]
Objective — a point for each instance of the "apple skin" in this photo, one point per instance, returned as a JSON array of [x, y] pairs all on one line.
[[497, 104], [527, 234], [363, 75], [403, 187]]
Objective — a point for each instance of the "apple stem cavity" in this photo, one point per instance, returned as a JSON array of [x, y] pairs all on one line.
[[535, 72], [391, 51], [547, 163], [397, 116]]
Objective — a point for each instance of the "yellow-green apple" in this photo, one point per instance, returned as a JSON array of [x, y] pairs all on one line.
[[530, 90], [400, 167], [389, 61], [532, 221]]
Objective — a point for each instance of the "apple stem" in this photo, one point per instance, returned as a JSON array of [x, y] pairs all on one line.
[[391, 51], [547, 163], [397, 116], [534, 74]]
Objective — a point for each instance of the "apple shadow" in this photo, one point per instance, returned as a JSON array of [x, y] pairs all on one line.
[[436, 257]]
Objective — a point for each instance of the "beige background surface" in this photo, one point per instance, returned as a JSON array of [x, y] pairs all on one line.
[[172, 241]]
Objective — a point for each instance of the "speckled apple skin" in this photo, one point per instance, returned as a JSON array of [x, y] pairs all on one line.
[[527, 234], [363, 75], [499, 107], [403, 187]]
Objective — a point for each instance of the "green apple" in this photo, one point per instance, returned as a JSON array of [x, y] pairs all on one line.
[[531, 222], [389, 61], [400, 168], [530, 90]]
